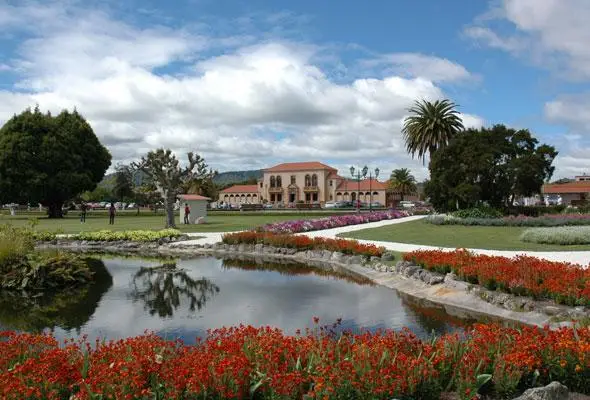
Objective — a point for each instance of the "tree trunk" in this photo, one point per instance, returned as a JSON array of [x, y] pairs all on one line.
[[54, 210], [169, 201]]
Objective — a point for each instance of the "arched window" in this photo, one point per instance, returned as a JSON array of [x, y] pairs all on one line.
[[375, 193], [272, 181], [346, 196], [279, 182], [314, 180], [307, 180], [339, 196]]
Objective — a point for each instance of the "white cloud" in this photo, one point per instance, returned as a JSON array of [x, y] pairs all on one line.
[[254, 105], [419, 65], [550, 33]]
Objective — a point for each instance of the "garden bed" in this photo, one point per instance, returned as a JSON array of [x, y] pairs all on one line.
[[246, 362], [563, 283], [563, 236], [521, 220], [298, 226]]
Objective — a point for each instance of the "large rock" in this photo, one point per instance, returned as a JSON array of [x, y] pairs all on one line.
[[553, 391], [388, 256]]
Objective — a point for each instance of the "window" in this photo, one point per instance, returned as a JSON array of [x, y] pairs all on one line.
[[292, 179], [279, 182], [331, 198], [307, 180], [331, 183], [314, 180], [272, 181], [261, 185]]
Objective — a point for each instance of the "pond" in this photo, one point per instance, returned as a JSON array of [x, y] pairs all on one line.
[[185, 298]]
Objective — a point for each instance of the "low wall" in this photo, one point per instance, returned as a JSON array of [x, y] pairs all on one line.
[[458, 298]]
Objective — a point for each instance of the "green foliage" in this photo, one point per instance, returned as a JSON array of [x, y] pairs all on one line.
[[40, 271], [478, 212], [123, 188], [402, 182], [430, 127], [135, 236], [488, 166], [15, 245], [49, 160], [567, 235]]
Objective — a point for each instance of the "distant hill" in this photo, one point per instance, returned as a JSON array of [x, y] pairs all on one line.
[[231, 177]]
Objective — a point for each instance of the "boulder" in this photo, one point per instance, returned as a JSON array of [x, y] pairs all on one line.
[[553, 391], [355, 260], [338, 257], [388, 256]]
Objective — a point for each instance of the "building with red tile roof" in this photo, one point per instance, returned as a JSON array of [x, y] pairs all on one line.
[[308, 182], [574, 192]]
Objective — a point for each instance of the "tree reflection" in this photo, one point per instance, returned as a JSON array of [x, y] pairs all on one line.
[[68, 309], [162, 288]]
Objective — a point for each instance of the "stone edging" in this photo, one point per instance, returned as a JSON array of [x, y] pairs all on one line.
[[404, 277]]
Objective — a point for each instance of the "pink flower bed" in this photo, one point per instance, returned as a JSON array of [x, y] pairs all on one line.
[[336, 221]]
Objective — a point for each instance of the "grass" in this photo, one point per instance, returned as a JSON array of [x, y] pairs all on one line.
[[130, 221], [454, 236]]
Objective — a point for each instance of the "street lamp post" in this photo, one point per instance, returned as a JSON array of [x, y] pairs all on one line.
[[371, 189], [360, 174]]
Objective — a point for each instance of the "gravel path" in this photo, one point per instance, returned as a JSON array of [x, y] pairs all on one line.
[[577, 257]]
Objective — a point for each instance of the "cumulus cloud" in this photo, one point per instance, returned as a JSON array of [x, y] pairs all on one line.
[[240, 105], [553, 35]]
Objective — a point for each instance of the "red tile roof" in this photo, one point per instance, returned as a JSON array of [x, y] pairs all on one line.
[[352, 185], [193, 197], [571, 187], [241, 189], [334, 175], [299, 166]]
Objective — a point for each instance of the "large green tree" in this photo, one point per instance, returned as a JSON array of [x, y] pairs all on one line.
[[488, 166], [402, 182], [49, 159], [430, 126], [164, 170]]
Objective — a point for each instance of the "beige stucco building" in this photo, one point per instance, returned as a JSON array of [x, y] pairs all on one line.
[[308, 182]]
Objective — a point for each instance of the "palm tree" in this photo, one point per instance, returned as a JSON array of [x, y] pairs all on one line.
[[431, 126], [402, 182]]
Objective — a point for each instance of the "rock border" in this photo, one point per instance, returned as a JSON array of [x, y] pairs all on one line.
[[457, 297]]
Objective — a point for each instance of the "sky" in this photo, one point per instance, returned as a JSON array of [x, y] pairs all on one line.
[[249, 84]]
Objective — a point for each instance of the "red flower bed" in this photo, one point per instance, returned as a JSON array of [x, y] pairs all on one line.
[[303, 243], [245, 362], [528, 276]]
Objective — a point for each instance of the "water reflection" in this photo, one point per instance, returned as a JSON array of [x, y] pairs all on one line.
[[293, 268], [162, 289], [186, 298], [70, 309]]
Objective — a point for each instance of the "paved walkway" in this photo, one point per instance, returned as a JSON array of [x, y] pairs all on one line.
[[577, 257]]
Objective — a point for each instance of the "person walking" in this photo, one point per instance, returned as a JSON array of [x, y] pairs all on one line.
[[112, 214], [187, 212], [83, 208]]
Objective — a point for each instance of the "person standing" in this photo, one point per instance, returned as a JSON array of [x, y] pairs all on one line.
[[187, 212], [83, 208], [112, 214]]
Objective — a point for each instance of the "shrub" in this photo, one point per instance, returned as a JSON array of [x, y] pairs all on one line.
[[42, 271], [264, 363], [136, 236], [303, 243], [568, 235], [479, 212], [529, 276]]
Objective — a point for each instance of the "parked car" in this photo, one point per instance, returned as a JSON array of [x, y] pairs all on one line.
[[267, 206], [376, 204], [330, 204], [406, 204]]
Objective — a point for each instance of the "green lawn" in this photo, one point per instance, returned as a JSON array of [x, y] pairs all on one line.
[[475, 237], [94, 222]]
